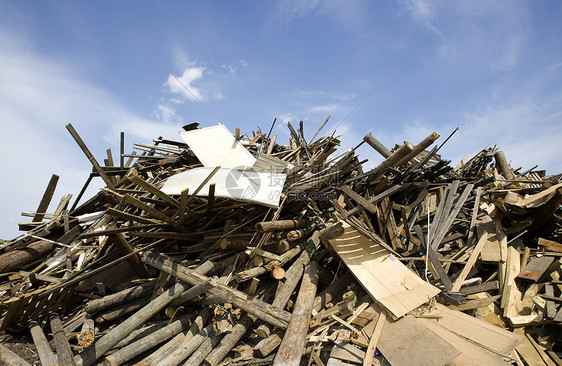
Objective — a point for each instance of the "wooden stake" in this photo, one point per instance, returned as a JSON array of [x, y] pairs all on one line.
[[44, 351], [64, 353]]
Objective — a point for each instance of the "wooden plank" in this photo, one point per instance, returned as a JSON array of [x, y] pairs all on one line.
[[408, 342], [89, 155], [536, 268], [385, 279], [471, 261], [550, 245], [374, 340], [46, 199], [359, 199], [491, 250]]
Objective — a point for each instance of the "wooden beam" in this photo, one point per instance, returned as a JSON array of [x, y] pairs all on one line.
[[47, 196]]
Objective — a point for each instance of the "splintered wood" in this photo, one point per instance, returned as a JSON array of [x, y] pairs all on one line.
[[227, 248]]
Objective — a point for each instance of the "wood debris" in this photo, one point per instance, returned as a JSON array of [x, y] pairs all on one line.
[[233, 249]]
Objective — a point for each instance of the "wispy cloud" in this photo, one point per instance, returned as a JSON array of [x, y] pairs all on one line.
[[423, 12]]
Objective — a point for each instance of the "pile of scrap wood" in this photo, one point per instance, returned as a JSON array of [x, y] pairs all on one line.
[[224, 248]]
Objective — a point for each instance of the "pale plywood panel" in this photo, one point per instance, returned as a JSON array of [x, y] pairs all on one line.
[[385, 278]]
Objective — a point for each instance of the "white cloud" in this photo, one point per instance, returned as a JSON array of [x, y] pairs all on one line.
[[183, 85], [38, 97], [423, 12], [243, 63]]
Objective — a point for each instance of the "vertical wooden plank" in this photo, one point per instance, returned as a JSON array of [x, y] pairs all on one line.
[[47, 196]]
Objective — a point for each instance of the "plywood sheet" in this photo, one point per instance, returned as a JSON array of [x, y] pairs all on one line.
[[409, 342], [384, 277]]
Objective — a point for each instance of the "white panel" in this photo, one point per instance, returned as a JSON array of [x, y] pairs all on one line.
[[244, 185], [216, 146]]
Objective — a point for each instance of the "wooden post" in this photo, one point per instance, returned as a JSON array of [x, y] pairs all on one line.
[[122, 150], [44, 350], [375, 144], [261, 309], [293, 343], [152, 340], [89, 155], [64, 353], [90, 355], [47, 196], [267, 345], [10, 358]]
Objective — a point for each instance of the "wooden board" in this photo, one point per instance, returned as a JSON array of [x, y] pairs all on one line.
[[491, 250], [384, 277], [480, 343], [409, 342], [536, 267]]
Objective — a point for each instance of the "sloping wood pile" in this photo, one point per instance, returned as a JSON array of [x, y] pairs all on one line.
[[411, 262]]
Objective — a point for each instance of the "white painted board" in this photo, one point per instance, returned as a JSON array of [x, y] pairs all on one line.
[[243, 185], [216, 146]]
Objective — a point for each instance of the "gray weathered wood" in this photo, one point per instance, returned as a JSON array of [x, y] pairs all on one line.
[[262, 310], [10, 358], [44, 351], [64, 353], [187, 347], [150, 341], [375, 144], [204, 349], [293, 343], [106, 302], [46, 199], [90, 355]]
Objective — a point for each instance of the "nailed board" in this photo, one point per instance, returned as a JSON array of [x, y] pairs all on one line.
[[385, 278]]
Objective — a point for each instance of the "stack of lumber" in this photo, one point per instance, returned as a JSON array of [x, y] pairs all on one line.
[[232, 249]]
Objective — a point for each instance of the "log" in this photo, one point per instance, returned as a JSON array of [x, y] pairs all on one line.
[[16, 259], [196, 291], [261, 309], [10, 358], [90, 355], [120, 297], [292, 277], [267, 345], [503, 166], [122, 310], [424, 144], [87, 334], [226, 344], [293, 344], [183, 337], [268, 226], [64, 353], [141, 333], [150, 341], [204, 349], [258, 271], [44, 351], [187, 347], [375, 144]]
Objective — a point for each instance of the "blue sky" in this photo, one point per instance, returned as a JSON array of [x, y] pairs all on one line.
[[491, 68]]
